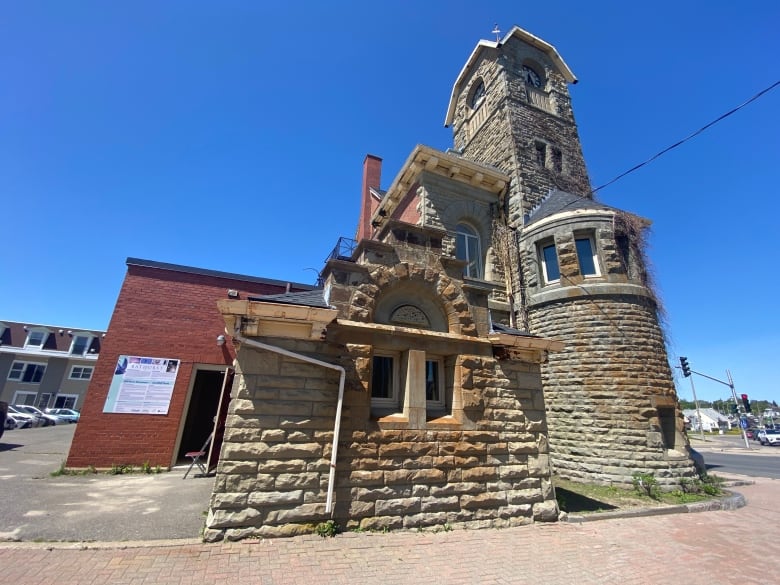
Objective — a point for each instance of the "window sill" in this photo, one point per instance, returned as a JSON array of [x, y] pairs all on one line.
[[393, 422], [444, 423]]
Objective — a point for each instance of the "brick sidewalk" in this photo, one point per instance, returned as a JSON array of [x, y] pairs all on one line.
[[739, 546]]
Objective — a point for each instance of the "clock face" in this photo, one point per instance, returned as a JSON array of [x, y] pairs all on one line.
[[531, 77]]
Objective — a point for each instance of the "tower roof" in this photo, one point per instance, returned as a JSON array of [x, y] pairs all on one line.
[[558, 201], [483, 45]]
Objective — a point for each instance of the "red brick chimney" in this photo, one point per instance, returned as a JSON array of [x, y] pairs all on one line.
[[372, 173]]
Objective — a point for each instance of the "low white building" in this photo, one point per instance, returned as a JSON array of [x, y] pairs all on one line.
[[711, 419]]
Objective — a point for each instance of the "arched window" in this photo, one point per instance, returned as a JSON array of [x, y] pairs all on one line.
[[467, 247]]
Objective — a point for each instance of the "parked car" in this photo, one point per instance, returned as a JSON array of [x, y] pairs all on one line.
[[771, 437], [32, 420], [66, 414], [47, 420]]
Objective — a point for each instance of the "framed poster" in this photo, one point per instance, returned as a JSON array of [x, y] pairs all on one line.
[[142, 385]]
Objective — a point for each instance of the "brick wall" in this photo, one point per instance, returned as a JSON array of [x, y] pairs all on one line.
[[159, 313]]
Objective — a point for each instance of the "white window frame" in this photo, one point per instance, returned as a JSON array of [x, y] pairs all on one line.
[[44, 336], [440, 402], [20, 397], [86, 336], [594, 254], [392, 401], [67, 399], [23, 369], [543, 261], [82, 371], [469, 233]]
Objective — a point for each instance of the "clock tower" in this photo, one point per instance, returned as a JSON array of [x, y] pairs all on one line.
[[510, 107], [579, 272]]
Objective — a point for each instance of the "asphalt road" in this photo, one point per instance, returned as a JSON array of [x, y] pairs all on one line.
[[39, 506]]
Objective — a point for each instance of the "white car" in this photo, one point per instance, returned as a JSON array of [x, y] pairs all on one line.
[[65, 414], [30, 419], [47, 420], [770, 437]]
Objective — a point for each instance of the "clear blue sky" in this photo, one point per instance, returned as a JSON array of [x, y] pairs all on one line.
[[231, 136]]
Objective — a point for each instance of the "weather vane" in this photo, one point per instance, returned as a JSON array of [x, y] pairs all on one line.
[[496, 31]]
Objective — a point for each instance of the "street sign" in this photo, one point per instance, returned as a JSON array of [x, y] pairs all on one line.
[[743, 423]]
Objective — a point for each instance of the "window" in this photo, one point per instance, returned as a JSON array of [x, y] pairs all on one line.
[[549, 260], [36, 338], [26, 372], [467, 247], [434, 383], [81, 373], [478, 95], [25, 398], [80, 344], [65, 401], [541, 154], [384, 380], [586, 256]]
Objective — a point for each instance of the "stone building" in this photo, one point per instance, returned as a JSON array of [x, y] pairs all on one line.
[[423, 385], [581, 276]]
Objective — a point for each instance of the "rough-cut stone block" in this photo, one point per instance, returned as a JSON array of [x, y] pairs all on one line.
[[265, 499], [228, 518], [482, 501]]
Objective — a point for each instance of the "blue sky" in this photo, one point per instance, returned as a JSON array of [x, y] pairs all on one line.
[[231, 136]]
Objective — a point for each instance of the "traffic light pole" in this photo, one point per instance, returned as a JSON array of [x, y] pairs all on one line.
[[730, 384], [698, 411]]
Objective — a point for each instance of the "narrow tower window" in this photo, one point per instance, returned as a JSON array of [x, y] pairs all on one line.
[[549, 261], [586, 256]]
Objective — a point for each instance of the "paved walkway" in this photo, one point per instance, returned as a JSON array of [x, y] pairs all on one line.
[[739, 546]]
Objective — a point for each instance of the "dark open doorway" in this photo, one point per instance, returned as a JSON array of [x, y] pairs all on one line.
[[201, 414]]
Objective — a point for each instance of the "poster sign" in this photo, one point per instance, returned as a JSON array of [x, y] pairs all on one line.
[[142, 385]]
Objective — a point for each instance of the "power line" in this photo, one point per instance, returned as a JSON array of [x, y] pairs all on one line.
[[687, 138]]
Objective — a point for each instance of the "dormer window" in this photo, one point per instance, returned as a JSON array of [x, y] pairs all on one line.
[[80, 344], [36, 338]]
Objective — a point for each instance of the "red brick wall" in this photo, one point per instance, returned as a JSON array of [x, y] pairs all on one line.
[[159, 313], [407, 208]]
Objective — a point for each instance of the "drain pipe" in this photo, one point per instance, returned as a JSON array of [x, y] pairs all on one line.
[[336, 426]]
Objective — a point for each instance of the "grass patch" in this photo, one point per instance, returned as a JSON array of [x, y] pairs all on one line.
[[585, 498]]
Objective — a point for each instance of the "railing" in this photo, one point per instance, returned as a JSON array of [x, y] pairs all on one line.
[[343, 250]]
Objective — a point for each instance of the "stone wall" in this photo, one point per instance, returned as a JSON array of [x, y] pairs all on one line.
[[273, 473], [604, 389]]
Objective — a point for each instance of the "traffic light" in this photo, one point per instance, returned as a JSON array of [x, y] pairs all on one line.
[[746, 402], [734, 409], [686, 369]]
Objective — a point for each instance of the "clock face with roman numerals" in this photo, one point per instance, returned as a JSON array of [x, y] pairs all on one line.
[[531, 77]]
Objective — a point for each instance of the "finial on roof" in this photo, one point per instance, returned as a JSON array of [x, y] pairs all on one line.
[[496, 31]]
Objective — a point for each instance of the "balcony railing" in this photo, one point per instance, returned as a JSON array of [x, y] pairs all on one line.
[[343, 250]]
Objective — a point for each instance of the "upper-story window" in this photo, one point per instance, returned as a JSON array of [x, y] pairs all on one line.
[[548, 258], [468, 248], [30, 373], [36, 338], [586, 255], [477, 95], [80, 344]]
